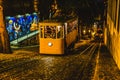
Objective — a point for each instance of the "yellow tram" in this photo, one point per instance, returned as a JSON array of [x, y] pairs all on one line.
[[56, 36]]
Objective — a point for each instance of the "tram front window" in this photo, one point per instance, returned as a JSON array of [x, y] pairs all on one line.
[[50, 32]]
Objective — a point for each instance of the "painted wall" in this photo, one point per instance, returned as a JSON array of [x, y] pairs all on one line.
[[112, 30]]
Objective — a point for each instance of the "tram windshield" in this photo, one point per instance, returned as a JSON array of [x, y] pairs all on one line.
[[52, 32]]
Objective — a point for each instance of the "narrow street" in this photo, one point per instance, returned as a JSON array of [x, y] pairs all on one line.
[[87, 61]]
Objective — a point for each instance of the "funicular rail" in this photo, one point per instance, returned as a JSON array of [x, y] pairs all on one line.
[[28, 39]]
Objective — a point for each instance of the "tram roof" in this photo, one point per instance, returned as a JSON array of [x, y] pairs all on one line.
[[57, 20]]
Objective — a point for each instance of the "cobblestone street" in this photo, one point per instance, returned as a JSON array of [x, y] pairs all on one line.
[[28, 64]]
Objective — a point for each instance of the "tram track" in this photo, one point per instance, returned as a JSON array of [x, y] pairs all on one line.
[[78, 68], [87, 48], [85, 65], [81, 68]]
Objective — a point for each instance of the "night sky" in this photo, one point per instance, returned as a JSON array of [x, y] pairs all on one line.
[[83, 8]]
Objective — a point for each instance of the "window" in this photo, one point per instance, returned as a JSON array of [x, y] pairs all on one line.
[[59, 32], [114, 11], [41, 32], [50, 32]]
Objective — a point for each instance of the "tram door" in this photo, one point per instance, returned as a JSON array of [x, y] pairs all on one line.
[[51, 39]]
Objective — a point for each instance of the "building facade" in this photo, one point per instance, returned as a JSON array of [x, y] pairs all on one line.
[[112, 29]]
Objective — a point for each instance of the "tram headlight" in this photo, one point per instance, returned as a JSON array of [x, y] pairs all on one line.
[[50, 44]]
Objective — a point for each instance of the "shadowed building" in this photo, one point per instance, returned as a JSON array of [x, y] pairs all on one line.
[[112, 29], [4, 40]]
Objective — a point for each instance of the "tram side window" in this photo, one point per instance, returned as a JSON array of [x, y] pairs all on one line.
[[59, 32], [50, 32]]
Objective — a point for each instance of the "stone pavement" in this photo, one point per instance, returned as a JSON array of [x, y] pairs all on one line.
[[106, 68]]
